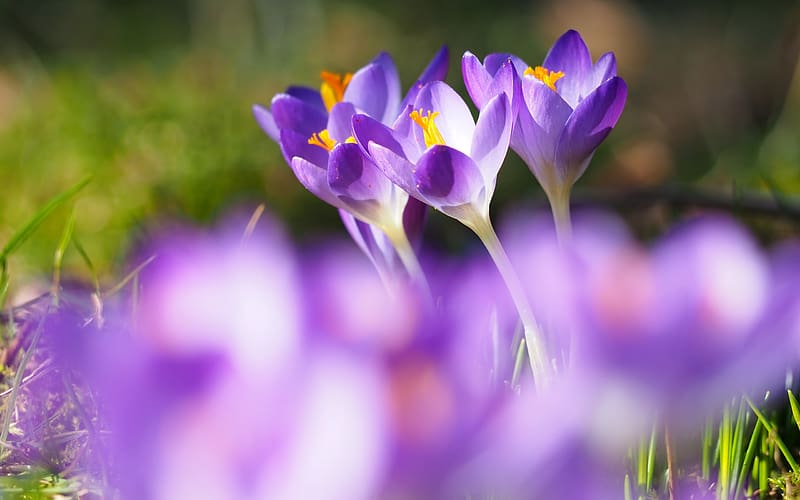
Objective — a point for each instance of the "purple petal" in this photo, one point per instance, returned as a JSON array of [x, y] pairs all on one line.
[[352, 176], [308, 95], [340, 121], [294, 114], [414, 216], [369, 130], [491, 138], [589, 124], [570, 55], [315, 179], [395, 167], [494, 61], [455, 121], [603, 70], [539, 125], [476, 79], [436, 70], [375, 89], [266, 122], [483, 85], [296, 145], [447, 177]]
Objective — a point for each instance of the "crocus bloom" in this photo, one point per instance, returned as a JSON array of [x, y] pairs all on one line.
[[566, 108], [314, 131], [438, 154]]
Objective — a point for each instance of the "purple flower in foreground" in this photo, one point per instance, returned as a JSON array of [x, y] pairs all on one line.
[[315, 134], [674, 330], [565, 109]]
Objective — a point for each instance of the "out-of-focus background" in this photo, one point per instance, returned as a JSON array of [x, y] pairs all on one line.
[[153, 99]]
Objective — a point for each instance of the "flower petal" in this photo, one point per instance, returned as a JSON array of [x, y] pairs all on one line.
[[375, 89], [589, 124], [494, 61], [436, 70], [539, 125], [353, 176], [369, 130], [414, 216], [294, 144], [291, 113], [603, 70], [491, 138], [570, 55], [307, 95], [340, 121], [447, 177], [315, 179], [455, 122], [476, 79], [398, 169], [266, 122]]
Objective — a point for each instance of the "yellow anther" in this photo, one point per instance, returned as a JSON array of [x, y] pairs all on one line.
[[545, 76], [428, 126], [324, 140], [333, 87]]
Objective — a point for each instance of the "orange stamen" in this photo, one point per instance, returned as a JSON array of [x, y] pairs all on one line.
[[545, 76], [324, 140], [429, 129], [333, 87]]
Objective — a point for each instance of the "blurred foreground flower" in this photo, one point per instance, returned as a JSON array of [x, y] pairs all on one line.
[[564, 110]]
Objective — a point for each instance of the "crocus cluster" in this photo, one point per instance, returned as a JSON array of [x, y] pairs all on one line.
[[358, 147]]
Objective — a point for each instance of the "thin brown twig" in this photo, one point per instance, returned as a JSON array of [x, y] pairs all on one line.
[[750, 203]]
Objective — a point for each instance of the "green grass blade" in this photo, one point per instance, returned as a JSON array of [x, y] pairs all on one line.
[[706, 460], [725, 431], [651, 460], [58, 258], [86, 260], [795, 408], [749, 456], [738, 444], [773, 433], [25, 232]]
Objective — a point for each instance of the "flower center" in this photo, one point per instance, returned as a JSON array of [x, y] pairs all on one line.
[[333, 87], [324, 140], [545, 76], [428, 126]]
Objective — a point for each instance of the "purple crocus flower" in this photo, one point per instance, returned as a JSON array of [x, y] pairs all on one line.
[[314, 131], [565, 109], [438, 154]]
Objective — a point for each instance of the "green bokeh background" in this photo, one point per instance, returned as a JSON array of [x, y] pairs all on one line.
[[153, 99]]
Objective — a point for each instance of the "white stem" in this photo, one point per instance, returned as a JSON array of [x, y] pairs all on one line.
[[559, 204], [409, 259], [533, 335]]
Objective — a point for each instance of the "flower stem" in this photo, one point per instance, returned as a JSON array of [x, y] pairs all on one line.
[[559, 204], [533, 337], [409, 259]]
